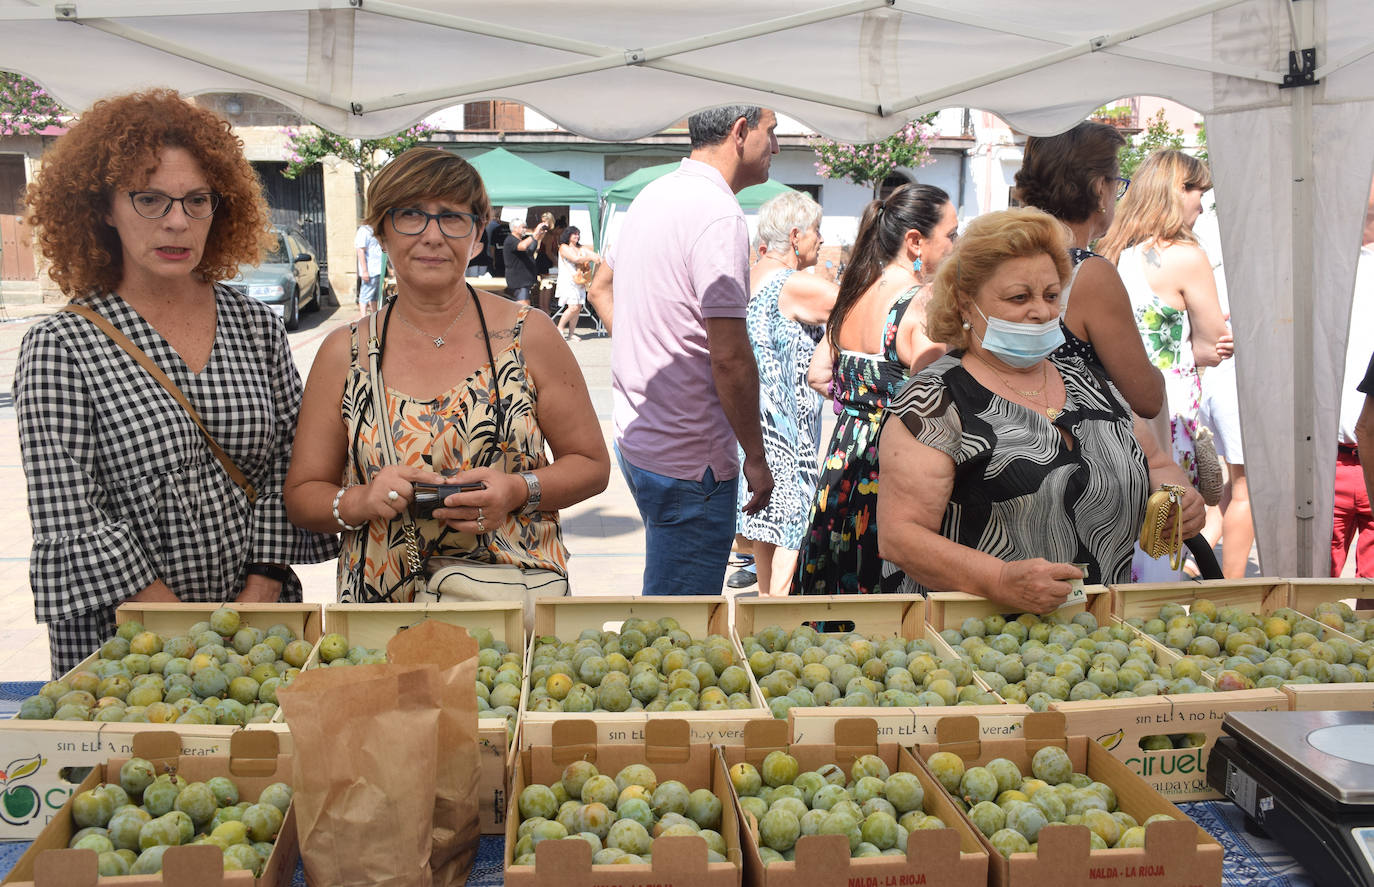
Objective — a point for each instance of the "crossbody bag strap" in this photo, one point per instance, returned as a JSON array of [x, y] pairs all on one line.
[[414, 565], [165, 381], [495, 372]]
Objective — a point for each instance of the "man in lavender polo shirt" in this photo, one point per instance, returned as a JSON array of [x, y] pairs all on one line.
[[685, 383]]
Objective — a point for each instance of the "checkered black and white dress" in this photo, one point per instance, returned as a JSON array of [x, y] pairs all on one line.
[[122, 487]]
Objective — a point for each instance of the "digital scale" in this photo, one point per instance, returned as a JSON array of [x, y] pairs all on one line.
[[1306, 780]]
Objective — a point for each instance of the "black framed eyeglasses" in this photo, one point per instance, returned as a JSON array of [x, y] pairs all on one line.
[[155, 204], [412, 222], [1122, 184]]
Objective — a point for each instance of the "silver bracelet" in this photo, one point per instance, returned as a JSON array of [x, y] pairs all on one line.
[[338, 497]]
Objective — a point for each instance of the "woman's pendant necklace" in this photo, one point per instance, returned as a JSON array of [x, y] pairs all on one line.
[[1034, 393], [439, 339]]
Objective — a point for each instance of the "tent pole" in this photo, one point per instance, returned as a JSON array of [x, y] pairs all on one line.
[[1304, 373]]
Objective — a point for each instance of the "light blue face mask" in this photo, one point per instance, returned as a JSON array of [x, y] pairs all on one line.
[[1021, 345]]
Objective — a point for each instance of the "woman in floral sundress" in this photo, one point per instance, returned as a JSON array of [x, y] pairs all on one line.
[[876, 339], [1172, 288]]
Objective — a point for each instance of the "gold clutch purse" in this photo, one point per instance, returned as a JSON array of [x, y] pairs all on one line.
[[1162, 532]]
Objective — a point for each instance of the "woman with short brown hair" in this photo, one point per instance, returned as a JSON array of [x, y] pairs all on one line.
[[478, 391]]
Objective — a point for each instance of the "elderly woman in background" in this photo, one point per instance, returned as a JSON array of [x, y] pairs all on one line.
[[1076, 178], [785, 318], [141, 209], [574, 263], [1008, 465], [477, 391], [876, 337]]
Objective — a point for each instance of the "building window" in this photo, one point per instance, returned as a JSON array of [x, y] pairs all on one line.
[[495, 115], [813, 190], [892, 183]]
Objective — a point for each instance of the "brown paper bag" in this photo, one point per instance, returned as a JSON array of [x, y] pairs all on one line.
[[366, 746], [456, 828]]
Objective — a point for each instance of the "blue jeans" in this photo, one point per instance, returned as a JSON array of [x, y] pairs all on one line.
[[689, 527]]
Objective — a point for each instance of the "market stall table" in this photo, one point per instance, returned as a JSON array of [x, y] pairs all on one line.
[[1250, 861]]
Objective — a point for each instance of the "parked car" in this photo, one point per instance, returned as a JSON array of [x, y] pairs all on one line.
[[288, 279]]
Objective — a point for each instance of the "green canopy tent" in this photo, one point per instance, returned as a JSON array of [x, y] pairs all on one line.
[[624, 191], [514, 181]]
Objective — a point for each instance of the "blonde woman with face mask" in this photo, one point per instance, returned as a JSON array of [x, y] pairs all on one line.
[[1009, 469]]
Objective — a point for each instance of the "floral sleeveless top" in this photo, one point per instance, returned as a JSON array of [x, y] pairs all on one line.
[[452, 432]]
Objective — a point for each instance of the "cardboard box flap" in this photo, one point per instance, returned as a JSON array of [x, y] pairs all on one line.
[[855, 737], [188, 866], [1067, 846], [1175, 841], [574, 739], [959, 735], [202, 865], [678, 855], [934, 849], [253, 753], [563, 857], [161, 747], [1044, 728], [766, 734], [65, 868], [751, 824], [825, 855], [667, 741]]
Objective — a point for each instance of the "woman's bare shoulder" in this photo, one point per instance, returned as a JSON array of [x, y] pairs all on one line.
[[1183, 257]]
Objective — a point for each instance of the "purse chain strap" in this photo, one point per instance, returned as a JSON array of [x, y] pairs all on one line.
[[1176, 534]]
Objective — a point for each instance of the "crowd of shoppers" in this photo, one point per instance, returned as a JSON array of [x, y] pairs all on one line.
[[992, 435]]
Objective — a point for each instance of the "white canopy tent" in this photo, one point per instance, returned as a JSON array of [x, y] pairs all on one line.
[[1292, 165]]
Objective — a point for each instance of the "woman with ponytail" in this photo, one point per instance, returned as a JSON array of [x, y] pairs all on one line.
[[876, 339]]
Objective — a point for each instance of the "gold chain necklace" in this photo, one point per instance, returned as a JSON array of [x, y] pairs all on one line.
[[1034, 393], [439, 339]]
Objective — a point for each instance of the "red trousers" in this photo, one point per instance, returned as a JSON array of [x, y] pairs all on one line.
[[1352, 516]]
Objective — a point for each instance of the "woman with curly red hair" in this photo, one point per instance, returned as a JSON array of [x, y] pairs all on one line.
[[156, 412]]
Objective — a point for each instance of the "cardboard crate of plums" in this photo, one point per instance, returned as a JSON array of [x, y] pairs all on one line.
[[1153, 708], [653, 812], [45, 751], [626, 661], [818, 660], [1332, 602], [499, 631], [1295, 635], [173, 819], [851, 811], [1052, 808]]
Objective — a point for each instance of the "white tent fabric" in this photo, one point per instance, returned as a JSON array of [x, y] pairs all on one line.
[[1292, 166]]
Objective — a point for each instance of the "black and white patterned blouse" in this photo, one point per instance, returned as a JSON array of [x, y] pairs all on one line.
[[1020, 490], [123, 488]]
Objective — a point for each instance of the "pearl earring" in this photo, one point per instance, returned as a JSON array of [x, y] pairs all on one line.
[[967, 325]]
